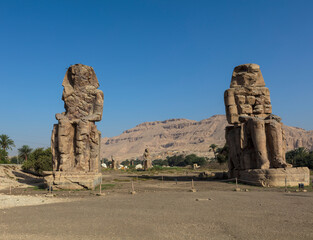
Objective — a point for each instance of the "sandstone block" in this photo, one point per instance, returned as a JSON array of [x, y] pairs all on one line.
[[267, 108], [229, 97], [245, 109], [258, 109], [276, 177], [250, 100], [240, 99]]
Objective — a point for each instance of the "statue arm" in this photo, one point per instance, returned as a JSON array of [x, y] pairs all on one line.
[[98, 108]]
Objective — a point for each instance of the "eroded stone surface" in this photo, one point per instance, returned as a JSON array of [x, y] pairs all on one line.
[[147, 163], [75, 141], [276, 177], [255, 138], [115, 164], [247, 95]]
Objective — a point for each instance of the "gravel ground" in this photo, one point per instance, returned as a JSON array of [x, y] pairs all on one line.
[[163, 210], [9, 201]]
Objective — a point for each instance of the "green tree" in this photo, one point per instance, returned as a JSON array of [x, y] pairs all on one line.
[[222, 154], [296, 155], [176, 160], [39, 160], [3, 156], [104, 160], [15, 160], [6, 143], [126, 163], [24, 152], [194, 159], [300, 157], [181, 160], [160, 162], [213, 149]]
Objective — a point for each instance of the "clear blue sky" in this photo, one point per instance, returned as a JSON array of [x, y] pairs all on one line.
[[155, 59]]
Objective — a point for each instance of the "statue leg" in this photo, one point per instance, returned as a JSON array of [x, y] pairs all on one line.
[[233, 142], [65, 144], [257, 128], [94, 164], [82, 150], [54, 148], [274, 136]]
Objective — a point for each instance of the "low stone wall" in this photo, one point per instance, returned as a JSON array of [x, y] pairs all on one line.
[[276, 177]]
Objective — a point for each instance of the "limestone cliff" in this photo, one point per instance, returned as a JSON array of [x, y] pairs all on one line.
[[175, 136]]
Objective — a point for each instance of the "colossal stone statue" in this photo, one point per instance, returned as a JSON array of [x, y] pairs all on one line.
[[75, 140], [255, 138]]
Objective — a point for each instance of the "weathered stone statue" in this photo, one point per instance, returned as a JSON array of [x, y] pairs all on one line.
[[75, 140], [255, 138], [147, 163], [115, 164]]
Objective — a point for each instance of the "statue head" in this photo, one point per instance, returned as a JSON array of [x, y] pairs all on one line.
[[247, 75], [80, 76], [247, 95], [80, 85]]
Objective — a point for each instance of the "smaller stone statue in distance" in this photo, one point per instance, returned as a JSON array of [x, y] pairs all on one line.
[[147, 163], [115, 164]]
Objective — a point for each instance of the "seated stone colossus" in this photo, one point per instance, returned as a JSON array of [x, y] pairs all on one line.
[[75, 140], [255, 137]]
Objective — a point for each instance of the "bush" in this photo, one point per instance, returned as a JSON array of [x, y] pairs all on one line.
[[39, 160], [16, 160], [136, 162], [160, 162], [104, 160], [182, 161], [194, 159], [126, 163], [300, 157], [222, 154], [176, 160]]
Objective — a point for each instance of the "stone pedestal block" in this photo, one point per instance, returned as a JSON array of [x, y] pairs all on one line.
[[73, 180], [275, 177]]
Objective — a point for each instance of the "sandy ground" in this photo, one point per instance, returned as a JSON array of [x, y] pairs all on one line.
[[11, 175], [9, 201], [166, 215], [161, 210]]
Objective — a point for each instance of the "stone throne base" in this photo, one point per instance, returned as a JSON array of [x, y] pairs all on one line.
[[275, 177], [73, 180]]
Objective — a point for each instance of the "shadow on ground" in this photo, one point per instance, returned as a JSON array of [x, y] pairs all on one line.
[[181, 178], [28, 179]]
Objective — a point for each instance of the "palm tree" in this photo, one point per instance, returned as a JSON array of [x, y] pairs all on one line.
[[213, 148], [6, 143], [24, 152]]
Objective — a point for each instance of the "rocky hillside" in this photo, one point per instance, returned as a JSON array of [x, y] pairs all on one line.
[[175, 136]]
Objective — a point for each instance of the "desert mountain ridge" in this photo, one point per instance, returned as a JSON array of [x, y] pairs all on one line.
[[183, 136]]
